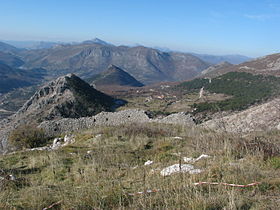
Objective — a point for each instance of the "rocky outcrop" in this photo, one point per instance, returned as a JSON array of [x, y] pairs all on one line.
[[129, 116], [65, 97], [258, 118]]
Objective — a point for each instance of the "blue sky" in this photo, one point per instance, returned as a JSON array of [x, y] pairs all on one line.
[[249, 27]]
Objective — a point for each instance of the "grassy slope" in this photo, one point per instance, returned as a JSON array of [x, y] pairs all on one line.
[[103, 177]]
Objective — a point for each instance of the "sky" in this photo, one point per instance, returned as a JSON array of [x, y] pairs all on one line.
[[247, 27]]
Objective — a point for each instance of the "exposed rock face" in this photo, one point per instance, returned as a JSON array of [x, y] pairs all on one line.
[[130, 116], [65, 97], [258, 118], [115, 76], [87, 59]]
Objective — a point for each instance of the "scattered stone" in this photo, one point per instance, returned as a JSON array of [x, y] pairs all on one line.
[[193, 160], [177, 137], [57, 142], [12, 177], [177, 168], [149, 162], [98, 135], [195, 171]]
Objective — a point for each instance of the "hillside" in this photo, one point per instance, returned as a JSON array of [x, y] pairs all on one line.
[[267, 65], [244, 89], [145, 159], [126, 167], [114, 76], [11, 78], [147, 65], [4, 47], [263, 117], [212, 71], [10, 59], [12, 101]]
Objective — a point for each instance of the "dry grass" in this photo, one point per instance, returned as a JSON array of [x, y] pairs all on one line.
[[99, 172]]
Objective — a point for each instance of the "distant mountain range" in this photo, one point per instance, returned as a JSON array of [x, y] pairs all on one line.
[[92, 57], [87, 59], [215, 59], [96, 41], [32, 45], [114, 76], [35, 45]]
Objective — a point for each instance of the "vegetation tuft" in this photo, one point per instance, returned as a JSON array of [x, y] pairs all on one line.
[[27, 136]]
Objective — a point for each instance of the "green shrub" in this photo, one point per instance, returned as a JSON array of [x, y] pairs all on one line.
[[275, 162], [27, 137]]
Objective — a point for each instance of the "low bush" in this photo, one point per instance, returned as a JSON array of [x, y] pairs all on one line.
[[27, 136]]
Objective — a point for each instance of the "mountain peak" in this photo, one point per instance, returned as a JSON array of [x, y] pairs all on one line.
[[66, 97], [115, 76], [96, 41], [112, 67]]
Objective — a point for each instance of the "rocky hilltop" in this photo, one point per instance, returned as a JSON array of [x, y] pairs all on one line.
[[65, 97], [114, 76]]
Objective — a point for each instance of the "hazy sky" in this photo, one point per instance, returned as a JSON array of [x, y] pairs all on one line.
[[249, 27]]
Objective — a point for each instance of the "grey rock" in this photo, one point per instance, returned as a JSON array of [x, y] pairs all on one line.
[[261, 117], [129, 116]]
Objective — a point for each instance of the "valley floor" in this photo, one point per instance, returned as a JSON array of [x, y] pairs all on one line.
[[105, 168]]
